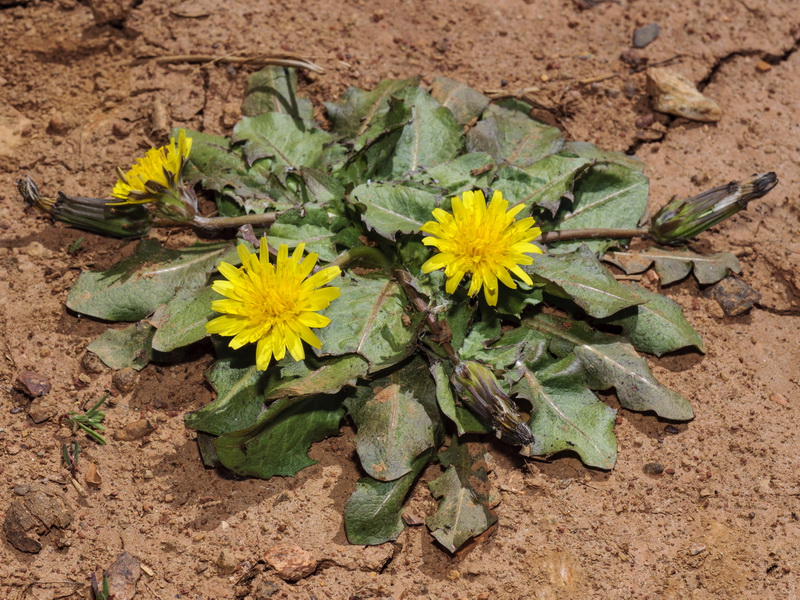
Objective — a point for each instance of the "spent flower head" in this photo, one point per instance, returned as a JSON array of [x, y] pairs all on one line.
[[273, 305], [684, 218], [483, 241], [158, 178], [479, 389]]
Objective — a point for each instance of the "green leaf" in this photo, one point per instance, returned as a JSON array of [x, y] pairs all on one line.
[[464, 173], [362, 115], [431, 137], [464, 420], [593, 153], [581, 277], [217, 166], [610, 362], [327, 378], [372, 515], [184, 319], [521, 343], [287, 142], [674, 265], [513, 138], [567, 416], [609, 195], [133, 288], [544, 183], [278, 443], [392, 207], [274, 89], [322, 187], [464, 102], [124, 348], [240, 394], [658, 326], [396, 420], [311, 226], [462, 492], [367, 320]]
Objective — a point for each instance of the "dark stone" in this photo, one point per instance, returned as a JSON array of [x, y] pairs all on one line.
[[734, 296], [32, 384], [653, 468], [644, 36]]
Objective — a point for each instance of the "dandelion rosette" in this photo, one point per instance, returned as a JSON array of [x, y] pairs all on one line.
[[485, 241], [273, 305], [157, 177]]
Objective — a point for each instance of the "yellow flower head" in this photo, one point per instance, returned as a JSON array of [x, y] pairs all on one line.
[[484, 241], [158, 172], [274, 305]]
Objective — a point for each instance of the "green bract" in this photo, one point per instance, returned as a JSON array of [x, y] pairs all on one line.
[[357, 194]]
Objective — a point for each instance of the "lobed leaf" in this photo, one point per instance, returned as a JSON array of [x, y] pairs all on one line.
[[287, 142], [274, 89], [585, 280], [513, 138], [130, 347], [396, 420], [566, 415], [658, 326], [464, 102], [134, 287], [278, 443], [359, 112], [544, 183], [674, 265], [431, 137], [390, 207], [327, 378], [608, 361], [610, 195], [372, 515], [240, 394], [462, 491], [367, 319], [184, 319]]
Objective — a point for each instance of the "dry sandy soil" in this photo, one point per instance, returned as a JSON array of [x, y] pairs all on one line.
[[77, 98]]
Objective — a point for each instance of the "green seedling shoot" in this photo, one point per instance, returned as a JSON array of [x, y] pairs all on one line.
[[89, 422], [70, 457]]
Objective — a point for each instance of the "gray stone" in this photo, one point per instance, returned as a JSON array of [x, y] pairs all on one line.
[[644, 36]]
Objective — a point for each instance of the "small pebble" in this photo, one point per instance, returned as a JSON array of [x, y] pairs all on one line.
[[21, 490], [453, 575], [763, 66], [705, 493], [644, 36], [226, 561], [696, 549], [645, 121], [672, 430], [125, 380], [779, 399], [653, 468]]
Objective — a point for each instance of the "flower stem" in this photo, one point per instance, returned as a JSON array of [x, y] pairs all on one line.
[[549, 237], [231, 222], [366, 253], [441, 333]]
